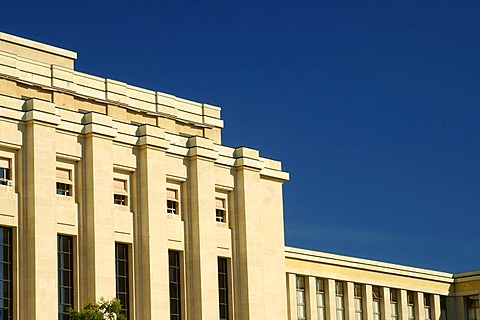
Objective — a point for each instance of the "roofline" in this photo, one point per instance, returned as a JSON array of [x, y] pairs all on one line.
[[38, 46]]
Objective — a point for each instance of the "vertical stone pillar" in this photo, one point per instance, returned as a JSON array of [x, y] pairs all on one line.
[[436, 308], [150, 243], [311, 297], [200, 243], [96, 224], [259, 247], [331, 312], [419, 306], [37, 231], [460, 308], [451, 308], [292, 296], [385, 309], [349, 299], [367, 302], [402, 304]]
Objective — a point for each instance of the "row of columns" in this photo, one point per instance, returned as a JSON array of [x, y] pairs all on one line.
[[349, 300], [251, 239]]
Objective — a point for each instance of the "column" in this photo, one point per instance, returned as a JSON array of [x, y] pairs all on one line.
[[386, 309], [436, 309], [419, 306], [292, 296], [201, 255], [37, 224], [402, 304], [96, 223], [311, 297], [259, 247], [460, 308], [367, 302], [152, 285], [349, 298], [451, 309], [331, 312]]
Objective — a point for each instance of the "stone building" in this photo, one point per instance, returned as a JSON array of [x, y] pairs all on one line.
[[111, 190]]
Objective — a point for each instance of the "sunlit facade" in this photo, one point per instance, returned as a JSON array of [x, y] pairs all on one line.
[[111, 190]]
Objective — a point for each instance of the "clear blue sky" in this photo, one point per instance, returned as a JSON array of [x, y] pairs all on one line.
[[372, 106]]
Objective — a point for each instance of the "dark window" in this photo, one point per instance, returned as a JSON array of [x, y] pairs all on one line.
[[121, 276], [6, 276], [174, 279], [64, 189], [4, 171], [223, 288], [120, 199], [65, 276]]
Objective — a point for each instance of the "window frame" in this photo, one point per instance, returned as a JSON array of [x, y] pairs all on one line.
[[6, 243], [124, 260], [175, 271], [223, 292], [6, 171], [69, 269]]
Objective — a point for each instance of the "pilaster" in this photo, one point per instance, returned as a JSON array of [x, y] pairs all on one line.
[[349, 300], [311, 297], [385, 310], [402, 304], [97, 271], [258, 244], [292, 296], [419, 306], [152, 285], [367, 302], [201, 254], [436, 308], [37, 234], [331, 312]]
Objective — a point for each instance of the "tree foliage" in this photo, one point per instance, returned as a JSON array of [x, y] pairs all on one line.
[[102, 310]]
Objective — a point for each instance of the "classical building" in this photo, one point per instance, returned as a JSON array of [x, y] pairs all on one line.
[[110, 190]]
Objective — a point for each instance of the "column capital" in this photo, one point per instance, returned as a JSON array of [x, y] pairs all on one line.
[[152, 136], [97, 123], [41, 111]]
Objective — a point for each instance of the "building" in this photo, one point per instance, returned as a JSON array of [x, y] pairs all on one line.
[[110, 190]]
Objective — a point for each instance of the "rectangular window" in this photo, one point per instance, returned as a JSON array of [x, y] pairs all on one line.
[[320, 289], [443, 308], [6, 274], [64, 182], [301, 306], [221, 209], [175, 288], [427, 304], [394, 304], [357, 292], [65, 276], [173, 202], [5, 178], [120, 192], [223, 288], [339, 300], [411, 305], [122, 276], [376, 297], [473, 307]]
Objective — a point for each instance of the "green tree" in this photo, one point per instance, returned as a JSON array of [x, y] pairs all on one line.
[[102, 310]]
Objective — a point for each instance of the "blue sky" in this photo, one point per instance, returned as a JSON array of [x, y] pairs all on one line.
[[372, 106]]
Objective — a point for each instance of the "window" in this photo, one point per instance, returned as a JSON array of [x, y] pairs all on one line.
[[122, 277], [376, 303], [357, 293], [221, 209], [301, 306], [223, 288], [443, 308], [173, 203], [411, 305], [65, 275], [394, 304], [339, 301], [427, 304], [5, 178], [6, 274], [473, 307], [175, 289], [64, 182], [320, 288], [120, 192]]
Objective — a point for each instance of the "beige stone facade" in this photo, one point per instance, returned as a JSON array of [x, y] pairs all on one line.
[[110, 190]]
